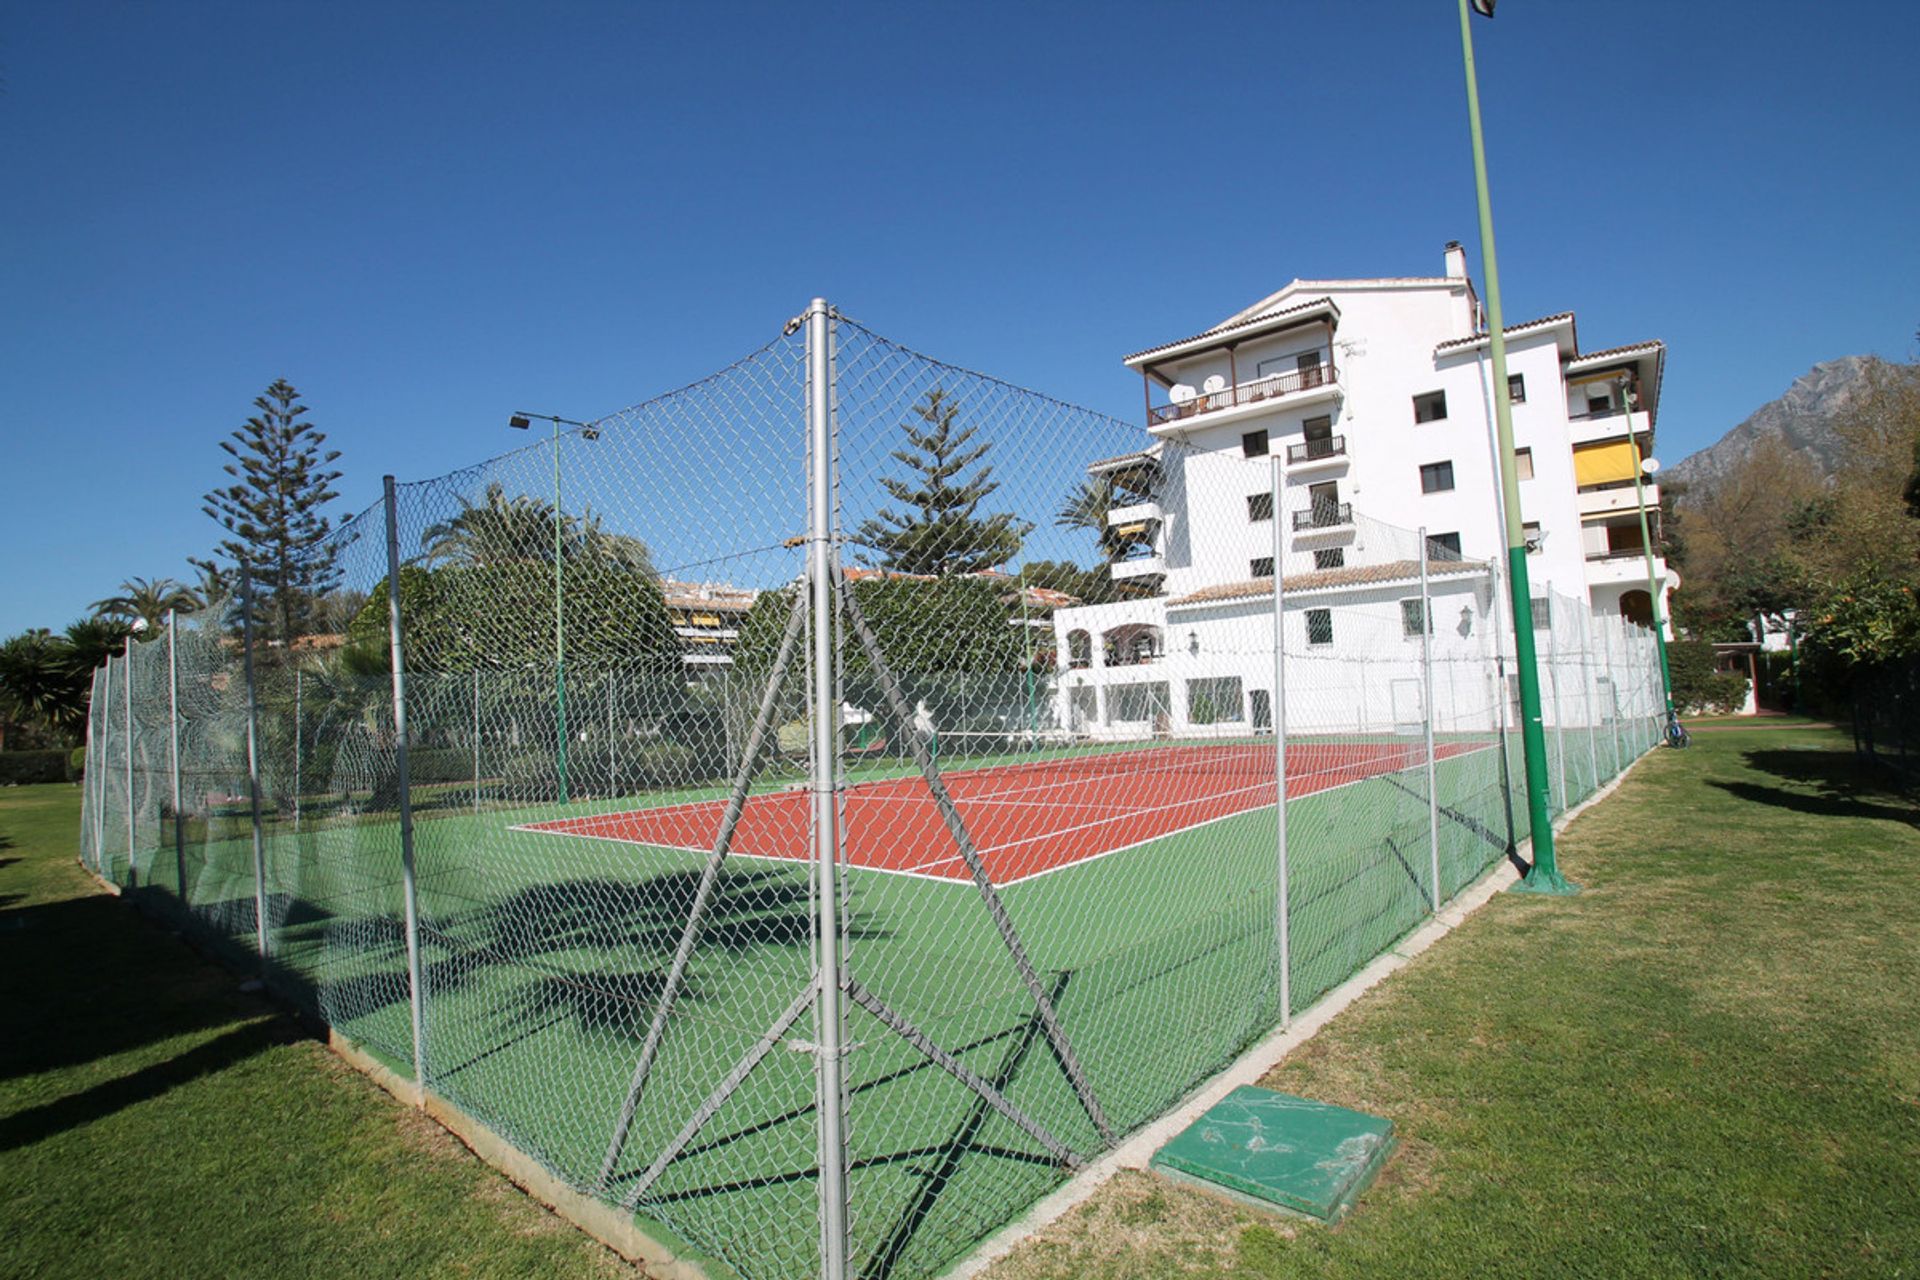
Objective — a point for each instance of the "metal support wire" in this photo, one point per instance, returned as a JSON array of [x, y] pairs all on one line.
[[957, 828], [253, 764], [728, 1086], [703, 895], [409, 887]]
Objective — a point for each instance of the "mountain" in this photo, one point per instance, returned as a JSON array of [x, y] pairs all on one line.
[[1802, 419]]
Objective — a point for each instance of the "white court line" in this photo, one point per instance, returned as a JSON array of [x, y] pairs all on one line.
[[917, 873]]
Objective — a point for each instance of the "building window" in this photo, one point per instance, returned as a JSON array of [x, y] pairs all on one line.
[[1079, 649], [1530, 534], [1254, 444], [1259, 507], [1443, 546], [1411, 623], [1431, 407], [1331, 558], [1215, 701], [1436, 477], [1517, 388], [1523, 464], [1319, 626], [1542, 613], [1262, 566], [1136, 703]]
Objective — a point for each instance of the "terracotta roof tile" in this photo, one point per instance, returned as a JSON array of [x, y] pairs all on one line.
[[1324, 579]]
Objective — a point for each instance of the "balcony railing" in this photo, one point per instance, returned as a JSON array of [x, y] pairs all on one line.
[[1270, 388], [1324, 515], [1618, 553], [1317, 450]]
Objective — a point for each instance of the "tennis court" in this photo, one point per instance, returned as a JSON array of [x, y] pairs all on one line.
[[1027, 818]]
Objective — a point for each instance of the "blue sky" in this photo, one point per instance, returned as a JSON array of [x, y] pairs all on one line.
[[426, 215]]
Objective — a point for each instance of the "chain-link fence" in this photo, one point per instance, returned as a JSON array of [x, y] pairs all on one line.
[[1884, 710], [818, 809]]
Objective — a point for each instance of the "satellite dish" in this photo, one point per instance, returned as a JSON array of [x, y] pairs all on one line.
[[1214, 384], [1180, 393], [1650, 466]]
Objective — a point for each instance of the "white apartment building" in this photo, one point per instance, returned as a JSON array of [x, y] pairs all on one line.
[[1376, 397]]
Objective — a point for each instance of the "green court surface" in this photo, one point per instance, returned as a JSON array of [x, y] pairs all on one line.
[[544, 956]]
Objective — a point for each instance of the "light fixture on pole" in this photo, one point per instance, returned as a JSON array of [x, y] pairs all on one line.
[[1545, 875], [522, 422]]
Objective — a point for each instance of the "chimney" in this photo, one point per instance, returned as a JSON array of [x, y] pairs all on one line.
[[1456, 261]]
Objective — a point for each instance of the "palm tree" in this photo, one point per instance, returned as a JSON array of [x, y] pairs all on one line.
[[1086, 507], [147, 601], [36, 685], [495, 530]]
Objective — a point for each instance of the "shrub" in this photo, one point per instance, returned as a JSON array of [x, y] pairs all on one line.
[[77, 764], [18, 768], [1697, 687]]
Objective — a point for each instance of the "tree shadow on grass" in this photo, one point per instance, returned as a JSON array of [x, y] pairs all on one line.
[[1828, 784], [102, 1100]]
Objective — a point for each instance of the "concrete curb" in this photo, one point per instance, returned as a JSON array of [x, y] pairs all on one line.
[[1256, 1062]]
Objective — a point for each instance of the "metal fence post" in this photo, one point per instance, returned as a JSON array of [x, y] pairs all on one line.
[[1559, 723], [1613, 693], [126, 689], [824, 786], [408, 888], [173, 754], [103, 703], [1586, 697], [296, 747], [1283, 898], [613, 767], [253, 762], [476, 739], [1426, 673]]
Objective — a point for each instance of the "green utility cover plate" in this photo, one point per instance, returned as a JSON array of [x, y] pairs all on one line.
[[1281, 1152]]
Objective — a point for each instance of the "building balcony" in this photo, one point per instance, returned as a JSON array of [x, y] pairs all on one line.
[[1618, 568], [1327, 451], [1138, 567], [1324, 517], [1299, 387], [1609, 424], [1134, 513], [1616, 501]]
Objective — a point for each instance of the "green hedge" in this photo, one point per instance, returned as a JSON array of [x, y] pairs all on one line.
[[20, 767]]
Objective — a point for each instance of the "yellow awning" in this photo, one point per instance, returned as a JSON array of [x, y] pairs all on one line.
[[1603, 463]]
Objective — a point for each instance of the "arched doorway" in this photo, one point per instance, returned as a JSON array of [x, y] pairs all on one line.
[[1637, 606]]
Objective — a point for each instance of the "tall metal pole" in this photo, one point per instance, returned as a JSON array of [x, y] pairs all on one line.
[[1646, 546], [1586, 698], [408, 887], [824, 789], [1426, 671], [97, 771], [173, 754], [1283, 898], [476, 739], [1545, 876], [126, 689], [253, 762], [296, 748], [612, 763], [1613, 691], [559, 627]]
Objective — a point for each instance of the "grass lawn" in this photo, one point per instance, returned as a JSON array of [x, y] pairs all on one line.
[[1706, 1064], [155, 1121]]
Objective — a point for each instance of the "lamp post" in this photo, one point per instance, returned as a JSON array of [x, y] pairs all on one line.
[[1545, 876], [521, 422], [1646, 468]]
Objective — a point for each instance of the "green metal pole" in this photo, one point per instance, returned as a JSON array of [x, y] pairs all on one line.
[[1646, 545], [1545, 876], [559, 628]]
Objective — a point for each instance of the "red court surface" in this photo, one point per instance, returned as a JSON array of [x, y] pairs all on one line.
[[1026, 818]]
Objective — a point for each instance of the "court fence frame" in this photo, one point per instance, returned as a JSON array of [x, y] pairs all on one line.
[[300, 809]]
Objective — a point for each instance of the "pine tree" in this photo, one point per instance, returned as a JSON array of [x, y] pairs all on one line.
[[942, 533], [273, 512]]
